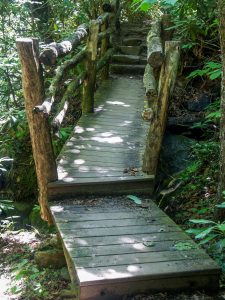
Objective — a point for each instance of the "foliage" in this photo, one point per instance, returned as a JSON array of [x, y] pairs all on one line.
[[145, 5], [135, 199], [211, 69]]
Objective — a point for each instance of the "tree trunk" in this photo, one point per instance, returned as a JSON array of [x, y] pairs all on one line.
[[39, 129], [220, 213], [158, 124]]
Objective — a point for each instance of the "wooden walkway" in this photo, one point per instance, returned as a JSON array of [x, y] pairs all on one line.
[[114, 248], [104, 154]]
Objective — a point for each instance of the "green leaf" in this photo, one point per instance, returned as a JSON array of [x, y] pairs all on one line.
[[135, 199], [221, 243], [204, 233], [216, 74], [221, 227], [194, 231], [201, 221], [208, 239], [221, 205]]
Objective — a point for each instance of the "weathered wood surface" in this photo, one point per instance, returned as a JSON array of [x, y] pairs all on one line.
[[116, 249], [155, 55], [54, 50], [33, 89], [106, 147], [158, 123]]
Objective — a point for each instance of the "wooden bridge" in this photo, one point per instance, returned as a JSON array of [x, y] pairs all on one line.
[[113, 247]]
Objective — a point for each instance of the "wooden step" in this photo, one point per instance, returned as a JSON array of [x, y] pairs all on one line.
[[70, 186], [129, 59], [130, 50], [127, 69], [133, 41]]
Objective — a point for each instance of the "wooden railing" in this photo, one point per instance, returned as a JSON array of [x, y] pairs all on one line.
[[159, 80], [96, 40]]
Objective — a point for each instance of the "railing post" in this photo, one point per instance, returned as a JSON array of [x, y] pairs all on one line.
[[90, 65], [104, 48], [33, 90]]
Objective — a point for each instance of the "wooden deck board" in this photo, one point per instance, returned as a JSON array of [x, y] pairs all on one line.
[[116, 248], [113, 137]]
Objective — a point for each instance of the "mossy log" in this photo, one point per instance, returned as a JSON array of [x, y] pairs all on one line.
[[61, 75], [150, 83], [104, 47], [155, 55], [90, 67], [105, 59], [33, 89], [54, 50], [158, 123]]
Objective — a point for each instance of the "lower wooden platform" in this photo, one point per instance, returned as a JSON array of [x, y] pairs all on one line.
[[115, 248]]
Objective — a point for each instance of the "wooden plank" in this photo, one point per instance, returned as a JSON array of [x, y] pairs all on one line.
[[100, 180], [60, 190], [64, 227], [89, 143], [117, 291], [140, 258], [74, 173], [175, 236], [109, 250], [92, 120], [112, 224], [103, 154], [97, 129], [102, 148], [102, 208], [74, 215], [93, 168], [152, 270]]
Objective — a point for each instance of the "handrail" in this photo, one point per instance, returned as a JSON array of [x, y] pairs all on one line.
[[94, 56]]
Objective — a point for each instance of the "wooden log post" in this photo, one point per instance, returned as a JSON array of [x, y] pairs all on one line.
[[150, 85], [155, 55], [90, 66], [104, 48], [33, 90], [54, 50], [158, 123]]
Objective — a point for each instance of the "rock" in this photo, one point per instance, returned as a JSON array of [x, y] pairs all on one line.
[[6, 164], [53, 258], [175, 155], [64, 273], [200, 104]]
